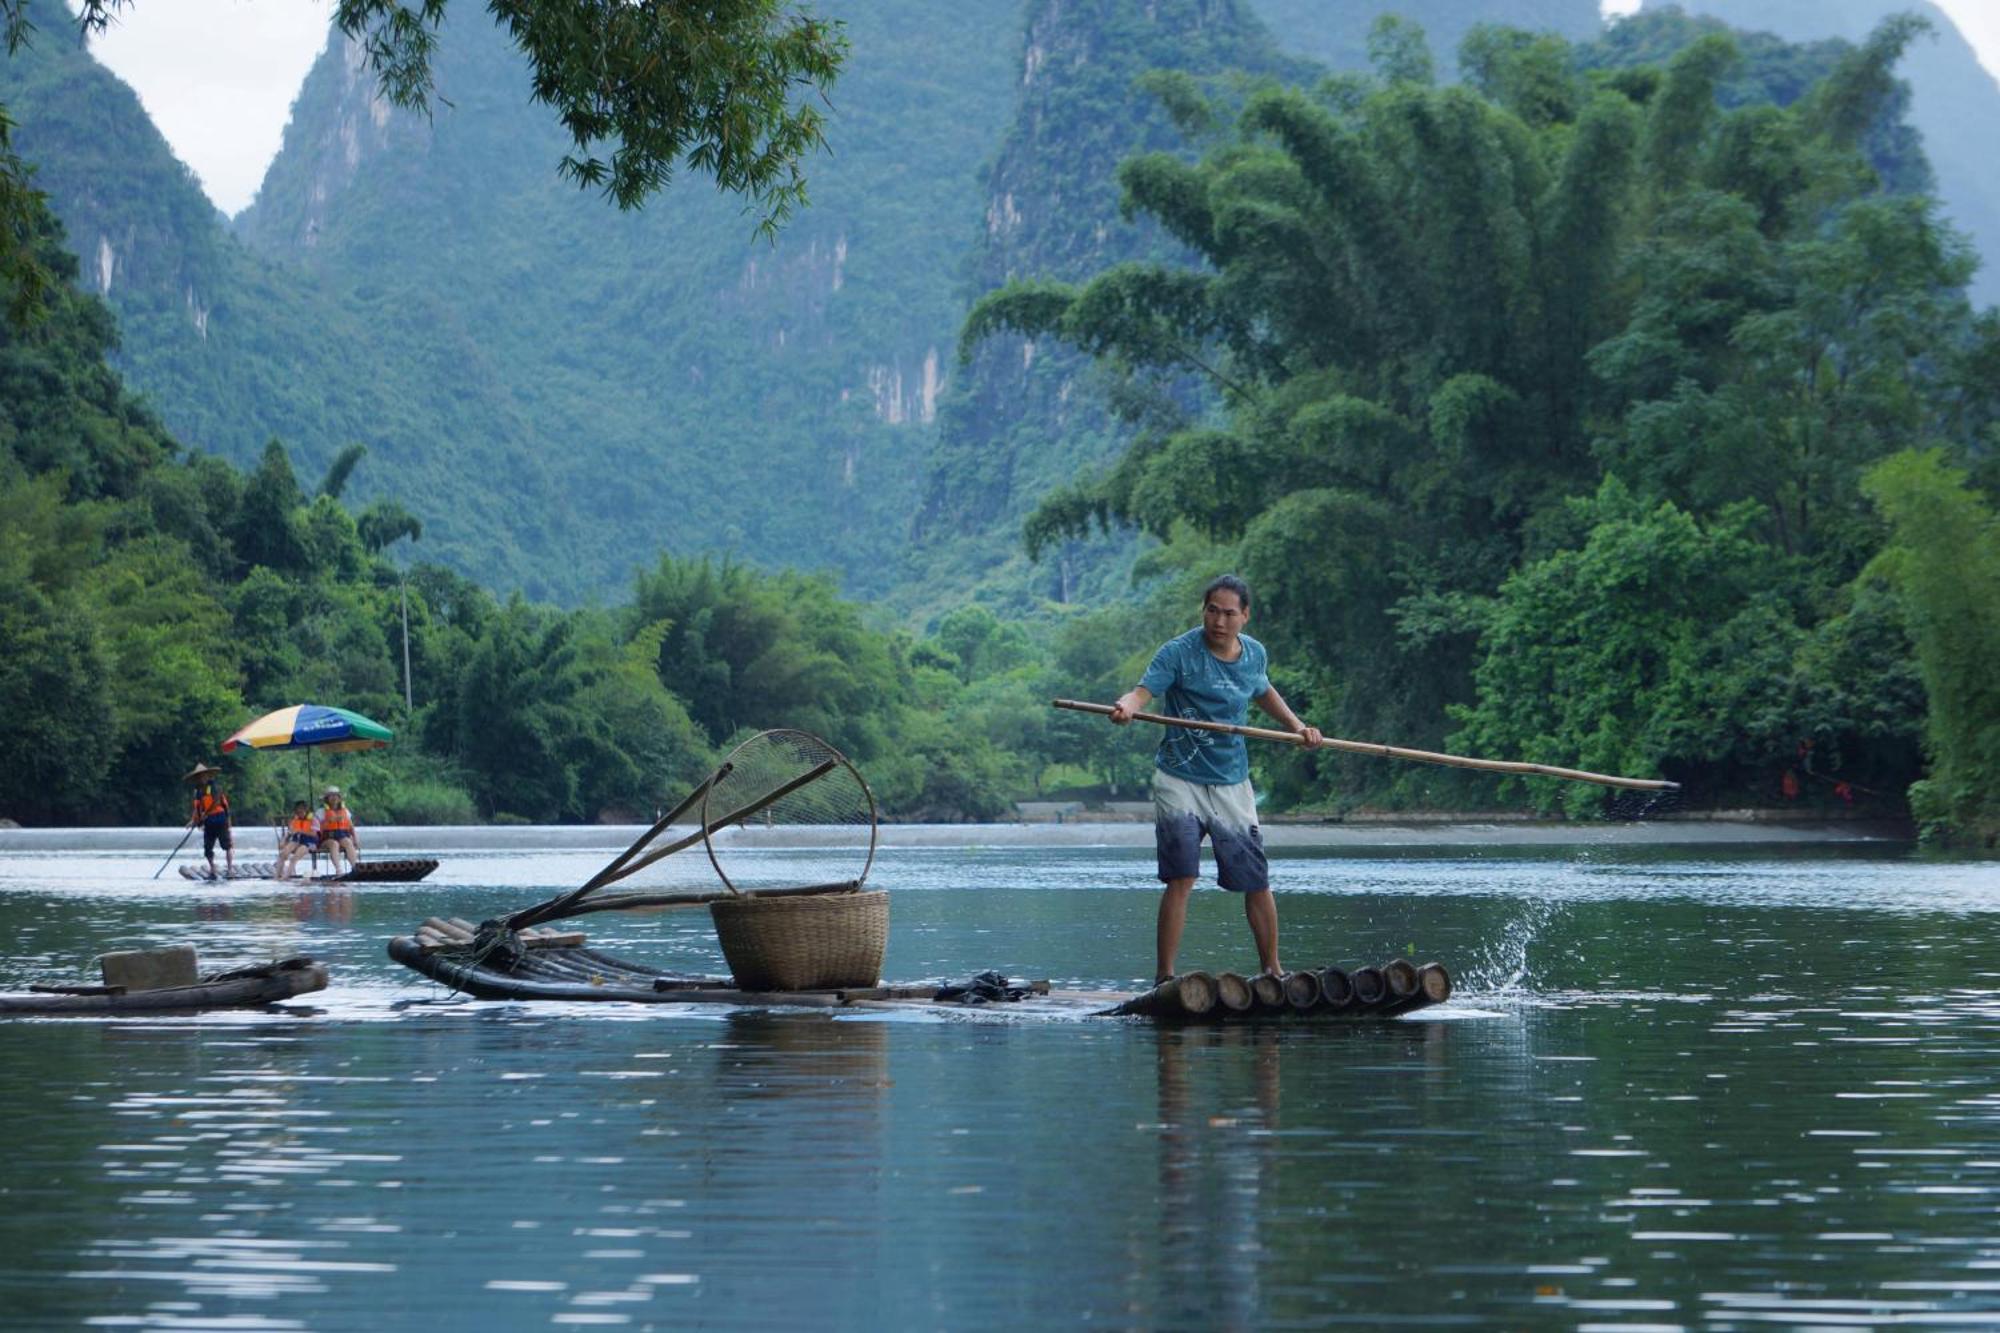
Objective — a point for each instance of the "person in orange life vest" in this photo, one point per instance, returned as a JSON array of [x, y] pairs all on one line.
[[211, 811], [336, 830], [300, 838]]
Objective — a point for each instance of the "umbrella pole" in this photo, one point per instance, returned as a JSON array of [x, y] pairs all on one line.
[[309, 805]]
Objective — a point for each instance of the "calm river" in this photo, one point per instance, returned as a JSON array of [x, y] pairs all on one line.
[[1716, 1086]]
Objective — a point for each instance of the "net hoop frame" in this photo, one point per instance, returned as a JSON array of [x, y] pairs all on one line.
[[709, 828]]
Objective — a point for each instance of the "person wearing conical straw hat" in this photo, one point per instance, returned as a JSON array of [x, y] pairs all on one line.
[[336, 830], [211, 811], [1201, 779]]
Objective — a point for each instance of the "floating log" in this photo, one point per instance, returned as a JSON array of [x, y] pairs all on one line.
[[1302, 991], [1433, 986], [1268, 991], [1370, 989], [1336, 990], [1400, 976]]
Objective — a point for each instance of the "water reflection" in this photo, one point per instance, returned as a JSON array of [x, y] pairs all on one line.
[[1216, 1150]]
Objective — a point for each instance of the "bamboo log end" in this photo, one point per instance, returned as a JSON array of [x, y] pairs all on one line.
[[1302, 990], [1195, 993], [1434, 982], [1370, 988], [1400, 975], [1232, 992], [1268, 991]]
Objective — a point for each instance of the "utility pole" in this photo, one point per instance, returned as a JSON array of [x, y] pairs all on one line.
[[404, 585]]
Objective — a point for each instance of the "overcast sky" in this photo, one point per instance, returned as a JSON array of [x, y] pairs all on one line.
[[218, 76]]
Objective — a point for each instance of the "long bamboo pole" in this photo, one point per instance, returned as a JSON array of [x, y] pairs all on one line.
[[1385, 751], [176, 851]]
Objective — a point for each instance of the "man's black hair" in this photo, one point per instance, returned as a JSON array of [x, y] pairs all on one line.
[[1228, 583]]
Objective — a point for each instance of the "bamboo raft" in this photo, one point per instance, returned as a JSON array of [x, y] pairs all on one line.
[[492, 962], [247, 987], [406, 871]]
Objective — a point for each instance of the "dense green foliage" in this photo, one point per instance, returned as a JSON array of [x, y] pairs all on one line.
[[1944, 553], [1772, 71], [1439, 316], [729, 90], [1954, 105], [107, 668], [153, 600]]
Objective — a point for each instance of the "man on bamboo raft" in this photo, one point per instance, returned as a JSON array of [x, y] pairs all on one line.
[[1201, 779]]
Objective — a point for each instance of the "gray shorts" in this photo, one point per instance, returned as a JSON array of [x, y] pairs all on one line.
[[1185, 812]]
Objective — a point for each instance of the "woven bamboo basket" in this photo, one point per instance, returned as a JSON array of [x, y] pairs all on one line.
[[809, 942]]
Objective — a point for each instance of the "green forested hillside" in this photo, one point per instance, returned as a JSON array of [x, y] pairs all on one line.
[[684, 385], [560, 389], [1335, 32], [1770, 70], [1023, 416], [1020, 418], [232, 349], [1956, 102], [155, 598], [1549, 403]]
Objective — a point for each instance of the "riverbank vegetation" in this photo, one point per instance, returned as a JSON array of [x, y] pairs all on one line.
[[1538, 409]]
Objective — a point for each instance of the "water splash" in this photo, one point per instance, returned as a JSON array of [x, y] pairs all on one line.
[[1503, 967]]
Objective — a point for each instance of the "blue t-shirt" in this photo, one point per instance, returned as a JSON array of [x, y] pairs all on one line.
[[1191, 682]]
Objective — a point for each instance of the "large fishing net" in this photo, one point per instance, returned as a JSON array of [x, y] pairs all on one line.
[[787, 811], [784, 813]]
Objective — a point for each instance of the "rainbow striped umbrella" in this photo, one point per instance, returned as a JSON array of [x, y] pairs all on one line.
[[314, 725]]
